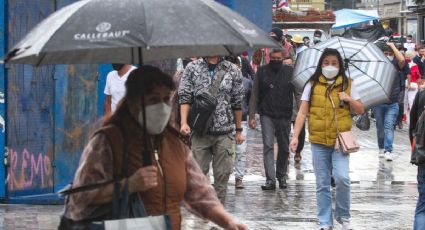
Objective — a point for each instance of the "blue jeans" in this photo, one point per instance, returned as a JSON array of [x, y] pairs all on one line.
[[279, 128], [385, 115], [327, 161], [420, 206], [240, 160]]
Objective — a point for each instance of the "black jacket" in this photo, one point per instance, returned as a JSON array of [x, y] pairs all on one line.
[[417, 108], [272, 93]]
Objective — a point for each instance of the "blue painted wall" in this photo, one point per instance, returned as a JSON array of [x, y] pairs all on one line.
[[257, 11], [30, 103], [2, 96], [76, 114], [52, 111]]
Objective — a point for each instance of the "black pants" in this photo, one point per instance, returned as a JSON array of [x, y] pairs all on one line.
[[279, 128], [400, 113]]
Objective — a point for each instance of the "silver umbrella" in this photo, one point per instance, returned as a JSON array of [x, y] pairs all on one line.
[[366, 64], [133, 31]]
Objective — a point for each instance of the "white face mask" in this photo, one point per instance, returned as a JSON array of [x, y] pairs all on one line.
[[409, 41], [330, 72], [157, 117], [391, 58]]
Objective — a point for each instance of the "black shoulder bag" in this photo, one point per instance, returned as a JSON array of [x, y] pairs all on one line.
[[125, 211], [202, 109]]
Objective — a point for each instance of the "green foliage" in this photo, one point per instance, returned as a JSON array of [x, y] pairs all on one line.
[[419, 2]]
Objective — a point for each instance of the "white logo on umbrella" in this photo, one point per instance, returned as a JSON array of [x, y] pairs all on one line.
[[103, 34], [103, 27]]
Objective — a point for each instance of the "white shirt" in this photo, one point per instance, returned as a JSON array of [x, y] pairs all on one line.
[[115, 86], [307, 89], [409, 46]]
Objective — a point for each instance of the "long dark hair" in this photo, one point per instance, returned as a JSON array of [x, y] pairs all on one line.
[[314, 79]]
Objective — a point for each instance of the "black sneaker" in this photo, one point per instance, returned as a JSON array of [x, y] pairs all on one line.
[[268, 186], [282, 183]]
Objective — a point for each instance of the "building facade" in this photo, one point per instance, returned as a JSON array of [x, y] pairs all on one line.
[[340, 4], [302, 5], [418, 11], [401, 20]]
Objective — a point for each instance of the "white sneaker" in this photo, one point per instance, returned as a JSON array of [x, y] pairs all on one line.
[[388, 156], [346, 225], [381, 153]]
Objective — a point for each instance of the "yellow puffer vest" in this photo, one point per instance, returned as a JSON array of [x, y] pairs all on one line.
[[321, 123]]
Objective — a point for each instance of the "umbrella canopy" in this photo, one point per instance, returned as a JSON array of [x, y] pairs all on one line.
[[372, 71], [133, 31], [347, 17]]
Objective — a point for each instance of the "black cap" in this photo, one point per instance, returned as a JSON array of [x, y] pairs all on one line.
[[278, 32]]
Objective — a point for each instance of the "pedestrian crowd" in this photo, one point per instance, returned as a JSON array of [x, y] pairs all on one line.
[[211, 103]]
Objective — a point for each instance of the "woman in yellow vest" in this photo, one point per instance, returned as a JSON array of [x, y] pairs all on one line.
[[329, 80]]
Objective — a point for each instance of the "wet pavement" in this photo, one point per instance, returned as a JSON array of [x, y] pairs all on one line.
[[384, 193]]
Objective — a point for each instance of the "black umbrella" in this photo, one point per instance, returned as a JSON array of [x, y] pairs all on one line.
[[133, 31], [130, 31]]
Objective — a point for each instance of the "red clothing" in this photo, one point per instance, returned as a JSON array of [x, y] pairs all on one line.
[[415, 73]]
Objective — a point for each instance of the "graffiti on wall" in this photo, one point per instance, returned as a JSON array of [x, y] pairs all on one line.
[[29, 170]]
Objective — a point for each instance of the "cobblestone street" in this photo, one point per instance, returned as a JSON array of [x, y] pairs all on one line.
[[383, 193]]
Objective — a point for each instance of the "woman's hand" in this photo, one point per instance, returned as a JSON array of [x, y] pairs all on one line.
[[293, 145], [344, 97], [252, 123], [239, 138], [185, 129], [143, 179]]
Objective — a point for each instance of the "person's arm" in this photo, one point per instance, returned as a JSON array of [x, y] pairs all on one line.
[[301, 116], [184, 113], [201, 199], [107, 105], [185, 93], [357, 106], [142, 180], [253, 101], [299, 124], [108, 96], [399, 57], [297, 93], [96, 165], [236, 103]]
